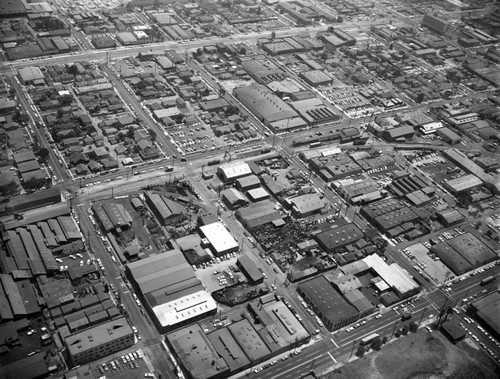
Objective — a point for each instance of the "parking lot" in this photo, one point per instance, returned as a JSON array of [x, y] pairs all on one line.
[[424, 261], [219, 273], [128, 365]]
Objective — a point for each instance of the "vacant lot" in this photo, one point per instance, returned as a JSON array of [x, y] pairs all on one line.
[[418, 356]]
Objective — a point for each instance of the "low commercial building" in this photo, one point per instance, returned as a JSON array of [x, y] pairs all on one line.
[[249, 268], [197, 357], [282, 329], [99, 341], [228, 349], [453, 331], [486, 311], [394, 275], [30, 367], [219, 238], [30, 75], [250, 341]]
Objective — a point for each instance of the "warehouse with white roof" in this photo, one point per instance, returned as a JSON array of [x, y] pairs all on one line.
[[232, 171], [218, 238]]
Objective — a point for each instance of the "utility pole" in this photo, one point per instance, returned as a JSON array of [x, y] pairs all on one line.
[[422, 316], [394, 329], [352, 350]]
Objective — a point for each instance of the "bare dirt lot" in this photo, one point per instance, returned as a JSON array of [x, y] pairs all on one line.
[[419, 356]]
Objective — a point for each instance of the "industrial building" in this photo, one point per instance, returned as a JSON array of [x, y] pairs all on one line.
[[328, 303], [249, 268], [398, 133], [99, 341], [219, 239], [233, 198], [33, 200], [248, 183], [352, 190], [306, 205], [316, 78], [268, 107], [463, 184], [257, 214], [449, 217], [490, 181], [111, 215], [258, 194], [338, 237], [448, 135], [463, 253], [436, 24], [230, 172], [167, 211], [170, 289]]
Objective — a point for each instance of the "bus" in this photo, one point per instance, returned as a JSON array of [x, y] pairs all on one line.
[[368, 339], [487, 280], [315, 144]]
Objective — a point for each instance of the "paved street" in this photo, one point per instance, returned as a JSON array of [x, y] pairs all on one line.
[[337, 348]]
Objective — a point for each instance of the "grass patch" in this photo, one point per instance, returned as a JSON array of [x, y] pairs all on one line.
[[417, 356]]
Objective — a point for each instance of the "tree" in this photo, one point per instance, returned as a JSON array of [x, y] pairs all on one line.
[[384, 340], [273, 34], [9, 189], [376, 344], [43, 153], [360, 352], [73, 70], [413, 327], [340, 19], [397, 333], [404, 330], [420, 98], [130, 132], [152, 134]]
